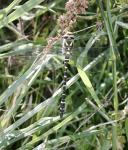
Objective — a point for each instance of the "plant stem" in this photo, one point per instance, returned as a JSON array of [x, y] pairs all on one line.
[[109, 28]]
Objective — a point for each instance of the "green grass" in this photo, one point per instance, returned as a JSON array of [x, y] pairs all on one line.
[[31, 81]]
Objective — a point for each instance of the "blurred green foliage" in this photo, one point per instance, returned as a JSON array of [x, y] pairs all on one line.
[[30, 81]]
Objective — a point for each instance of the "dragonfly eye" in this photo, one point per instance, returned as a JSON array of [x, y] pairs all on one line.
[[68, 36]]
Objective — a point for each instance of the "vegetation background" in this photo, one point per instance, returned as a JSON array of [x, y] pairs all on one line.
[[30, 80]]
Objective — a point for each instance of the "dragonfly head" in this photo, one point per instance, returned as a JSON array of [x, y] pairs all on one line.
[[68, 40]]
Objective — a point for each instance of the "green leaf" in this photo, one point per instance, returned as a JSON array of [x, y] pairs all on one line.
[[123, 25], [126, 128], [89, 86], [20, 11]]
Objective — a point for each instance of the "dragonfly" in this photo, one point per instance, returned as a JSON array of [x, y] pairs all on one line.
[[28, 51], [68, 40]]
